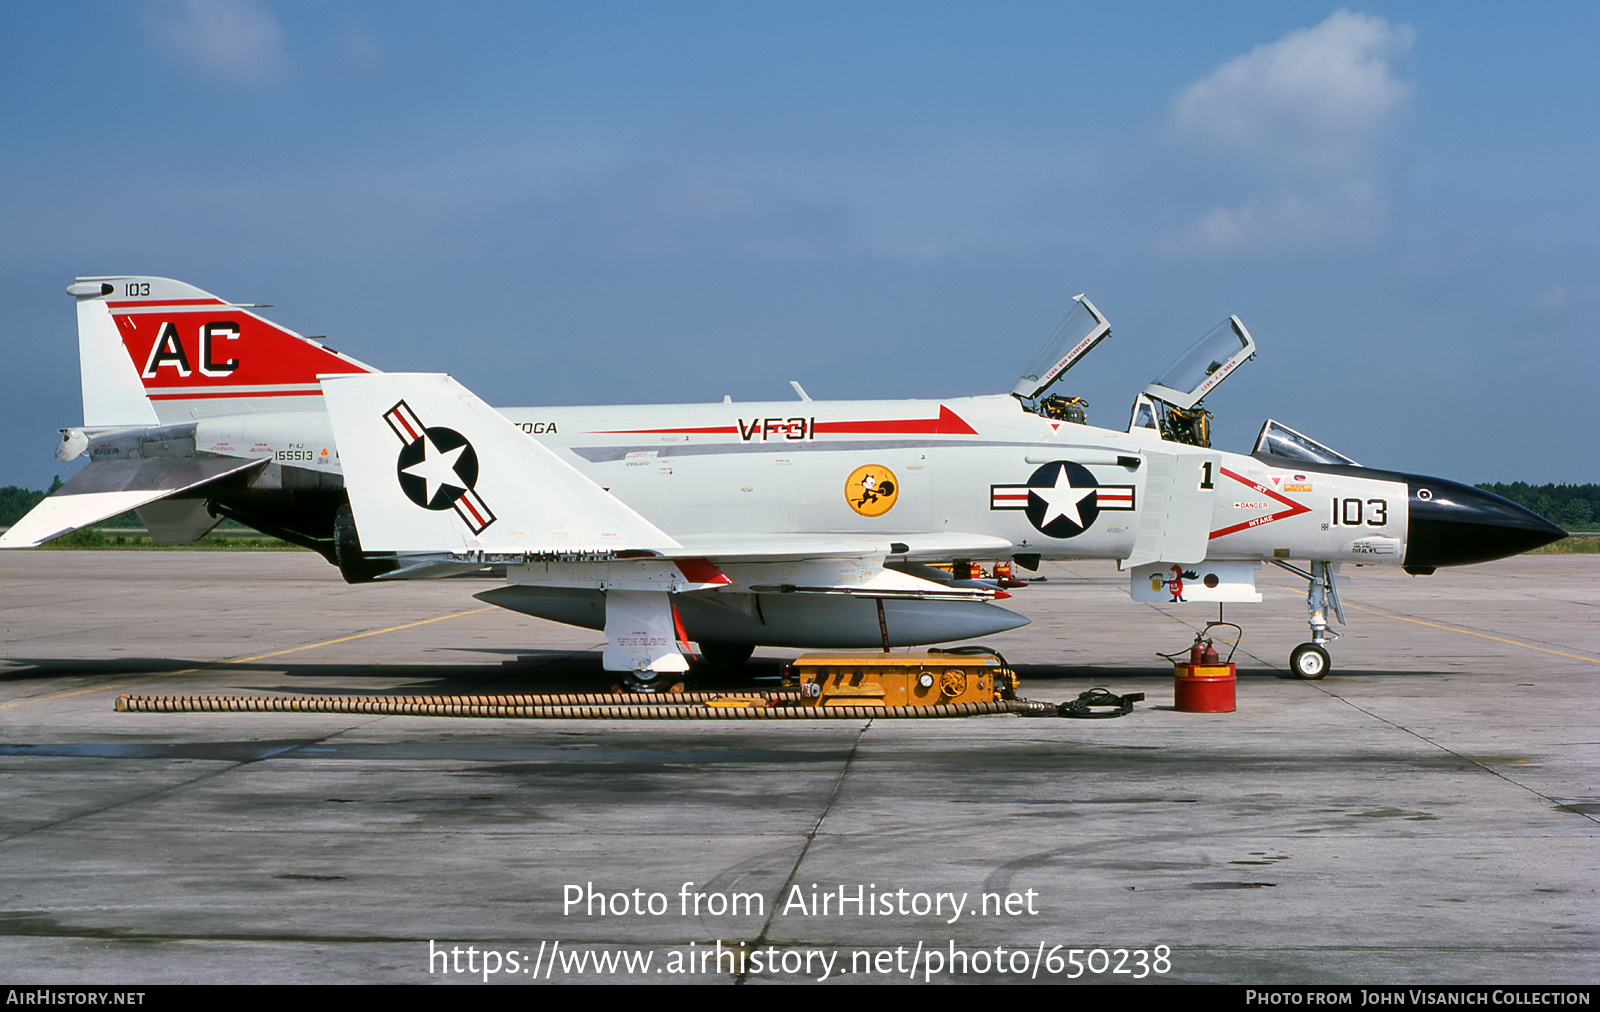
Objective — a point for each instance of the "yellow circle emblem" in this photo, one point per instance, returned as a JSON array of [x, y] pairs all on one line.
[[871, 490]]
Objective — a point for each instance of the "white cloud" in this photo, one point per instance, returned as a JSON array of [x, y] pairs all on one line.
[[1560, 299], [233, 40], [1315, 100], [1303, 120], [1344, 217]]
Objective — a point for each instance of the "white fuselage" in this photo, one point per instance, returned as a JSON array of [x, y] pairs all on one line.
[[963, 465]]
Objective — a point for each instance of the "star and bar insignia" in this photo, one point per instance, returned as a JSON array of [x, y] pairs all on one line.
[[1061, 498], [438, 469]]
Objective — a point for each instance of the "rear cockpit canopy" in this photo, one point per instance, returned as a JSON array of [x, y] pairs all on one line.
[[1171, 404], [1208, 362]]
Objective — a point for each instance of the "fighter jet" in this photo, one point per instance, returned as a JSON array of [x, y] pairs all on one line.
[[706, 530]]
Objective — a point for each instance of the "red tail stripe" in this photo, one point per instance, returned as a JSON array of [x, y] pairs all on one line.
[[148, 304], [201, 393]]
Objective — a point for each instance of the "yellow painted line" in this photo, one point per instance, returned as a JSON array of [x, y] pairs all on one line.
[[1450, 628], [1469, 632], [357, 636], [64, 695], [257, 657]]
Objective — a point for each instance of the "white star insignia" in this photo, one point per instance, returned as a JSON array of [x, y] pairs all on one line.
[[1062, 500], [437, 467]]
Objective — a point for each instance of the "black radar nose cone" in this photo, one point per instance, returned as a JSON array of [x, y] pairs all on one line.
[[1456, 525]]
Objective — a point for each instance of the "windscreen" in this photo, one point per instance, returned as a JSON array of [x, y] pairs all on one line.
[[1282, 441]]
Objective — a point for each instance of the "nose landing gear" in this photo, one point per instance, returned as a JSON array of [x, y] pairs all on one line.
[[1310, 660]]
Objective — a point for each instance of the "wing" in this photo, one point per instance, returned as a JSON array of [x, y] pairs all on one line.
[[434, 472]]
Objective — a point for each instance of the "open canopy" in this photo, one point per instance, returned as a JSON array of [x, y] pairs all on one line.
[[1083, 328], [1207, 362]]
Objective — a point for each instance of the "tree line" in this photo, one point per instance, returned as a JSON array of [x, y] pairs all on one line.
[[16, 501], [1573, 507]]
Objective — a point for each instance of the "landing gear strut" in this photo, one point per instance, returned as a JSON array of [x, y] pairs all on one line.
[[1310, 660]]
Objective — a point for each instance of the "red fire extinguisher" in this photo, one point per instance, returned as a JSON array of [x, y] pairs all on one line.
[[1205, 684]]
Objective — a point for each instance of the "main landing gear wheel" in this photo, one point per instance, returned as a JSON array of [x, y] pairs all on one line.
[[636, 682], [1309, 661]]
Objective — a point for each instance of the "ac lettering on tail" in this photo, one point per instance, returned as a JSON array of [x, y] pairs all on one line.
[[226, 330], [168, 350]]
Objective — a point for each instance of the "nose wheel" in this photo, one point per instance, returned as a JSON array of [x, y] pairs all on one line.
[[1309, 661]]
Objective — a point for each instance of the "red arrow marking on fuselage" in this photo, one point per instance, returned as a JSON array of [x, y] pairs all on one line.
[[651, 432], [1294, 510], [947, 424]]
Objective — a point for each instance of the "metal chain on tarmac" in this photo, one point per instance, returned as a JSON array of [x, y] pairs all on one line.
[[592, 706]]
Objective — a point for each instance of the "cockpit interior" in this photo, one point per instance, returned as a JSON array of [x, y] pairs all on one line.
[[1170, 404]]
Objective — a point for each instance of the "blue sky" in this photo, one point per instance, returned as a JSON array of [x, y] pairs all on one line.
[[674, 201]]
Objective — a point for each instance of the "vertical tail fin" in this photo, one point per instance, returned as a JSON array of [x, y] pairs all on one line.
[[154, 350]]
